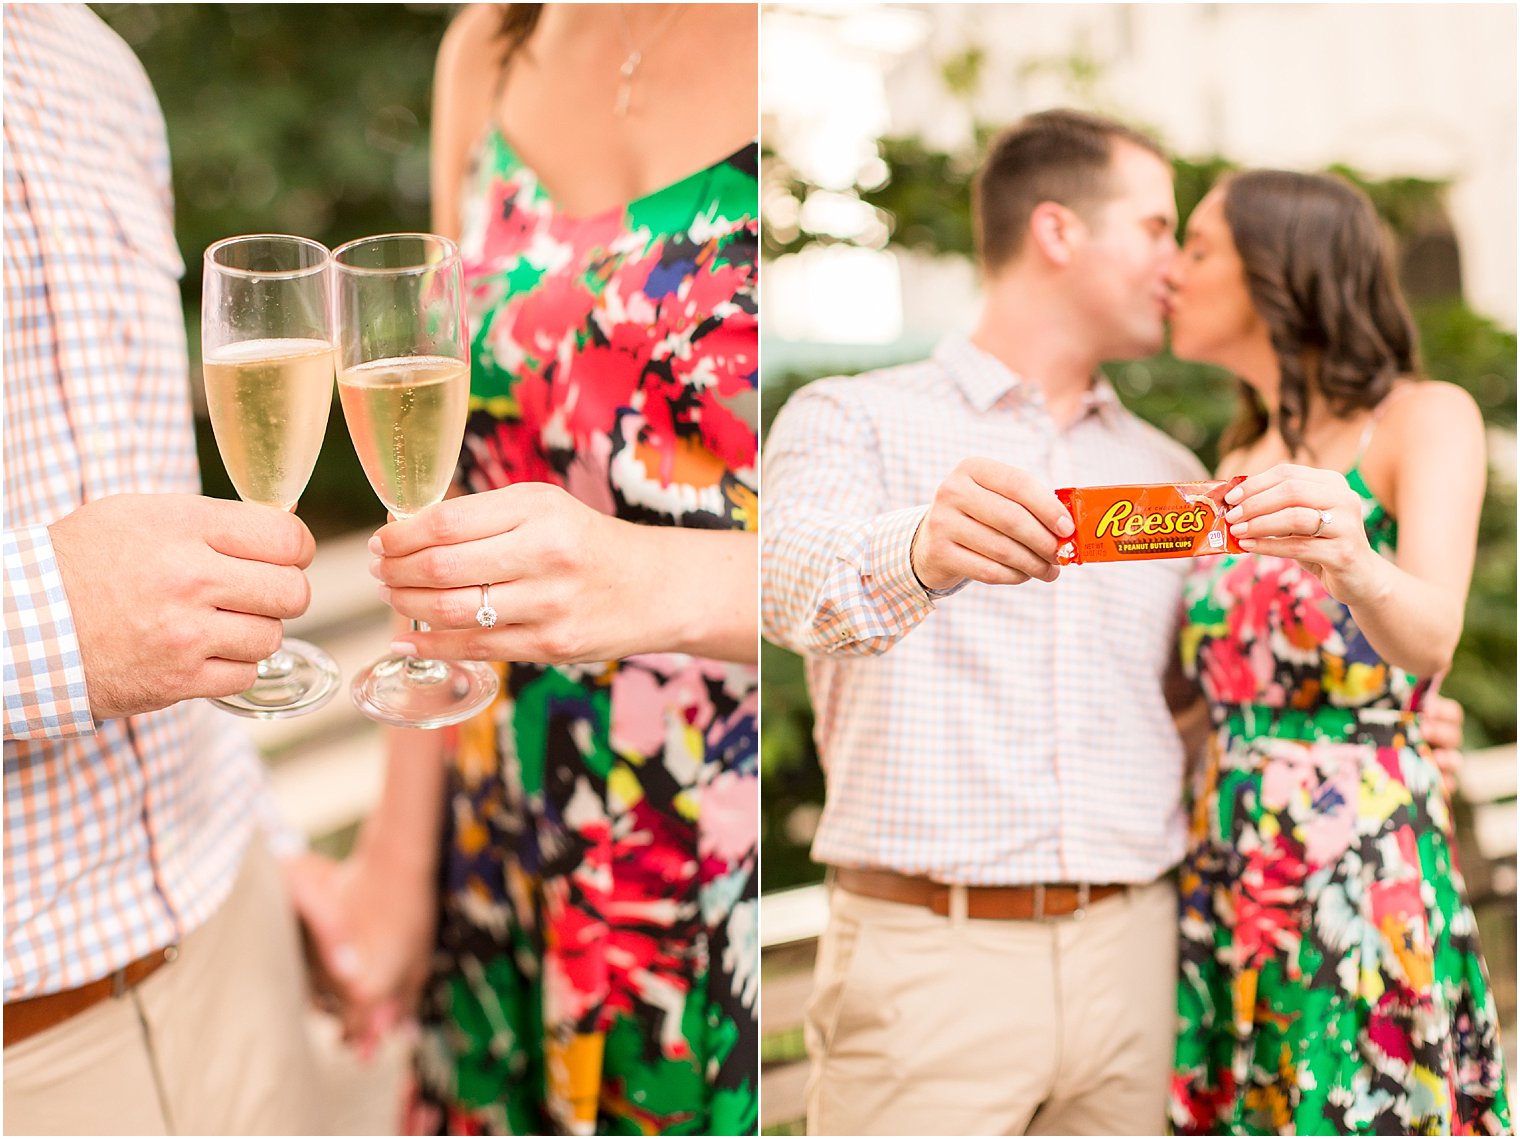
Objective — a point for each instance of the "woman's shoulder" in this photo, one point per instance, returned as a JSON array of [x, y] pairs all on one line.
[[469, 46], [1424, 407], [1426, 429], [464, 94], [475, 21]]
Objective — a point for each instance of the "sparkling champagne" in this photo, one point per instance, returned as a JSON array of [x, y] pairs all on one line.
[[406, 416], [268, 401]]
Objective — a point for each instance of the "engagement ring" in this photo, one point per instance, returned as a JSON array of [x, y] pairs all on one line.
[[1325, 518], [485, 616]]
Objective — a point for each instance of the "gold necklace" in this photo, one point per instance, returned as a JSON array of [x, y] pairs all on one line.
[[635, 57]]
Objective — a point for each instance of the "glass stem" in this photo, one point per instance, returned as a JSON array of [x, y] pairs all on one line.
[[420, 671], [277, 665]]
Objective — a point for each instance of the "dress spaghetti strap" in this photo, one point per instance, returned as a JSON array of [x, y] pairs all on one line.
[[1373, 420]]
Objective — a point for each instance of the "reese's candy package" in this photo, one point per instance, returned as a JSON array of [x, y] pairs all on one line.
[[1154, 520]]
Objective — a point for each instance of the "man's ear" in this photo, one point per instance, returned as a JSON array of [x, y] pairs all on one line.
[[1055, 230]]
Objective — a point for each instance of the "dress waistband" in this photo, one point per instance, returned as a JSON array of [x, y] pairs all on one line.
[[1383, 726]]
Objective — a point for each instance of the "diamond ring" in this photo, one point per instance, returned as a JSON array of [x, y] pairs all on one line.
[[1325, 518], [485, 616]]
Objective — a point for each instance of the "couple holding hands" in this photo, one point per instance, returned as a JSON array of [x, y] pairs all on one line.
[[566, 887]]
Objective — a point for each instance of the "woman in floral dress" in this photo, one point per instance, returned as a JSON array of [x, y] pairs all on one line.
[[1331, 980], [594, 962]]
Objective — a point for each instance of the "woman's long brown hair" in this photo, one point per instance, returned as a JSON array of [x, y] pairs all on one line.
[[1319, 267], [517, 24]]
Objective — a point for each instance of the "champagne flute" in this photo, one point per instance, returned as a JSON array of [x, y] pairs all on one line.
[[403, 355], [267, 362]]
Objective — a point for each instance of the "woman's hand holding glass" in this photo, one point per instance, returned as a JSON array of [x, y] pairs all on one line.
[[1314, 517], [564, 579], [404, 382]]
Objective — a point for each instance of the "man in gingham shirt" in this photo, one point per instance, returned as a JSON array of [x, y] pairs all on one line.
[[1003, 769], [153, 977]]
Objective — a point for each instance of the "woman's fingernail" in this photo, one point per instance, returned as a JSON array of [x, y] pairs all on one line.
[[1233, 496], [403, 648], [1064, 526], [376, 547], [1239, 527], [1247, 543], [374, 568], [385, 594], [1233, 515]]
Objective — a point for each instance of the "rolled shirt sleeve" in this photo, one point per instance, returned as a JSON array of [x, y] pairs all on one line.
[[45, 692], [838, 566]]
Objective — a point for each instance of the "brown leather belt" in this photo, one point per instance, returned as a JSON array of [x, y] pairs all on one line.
[[1012, 903], [38, 1014]]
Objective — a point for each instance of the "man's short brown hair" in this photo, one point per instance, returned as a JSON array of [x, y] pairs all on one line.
[[1054, 156]]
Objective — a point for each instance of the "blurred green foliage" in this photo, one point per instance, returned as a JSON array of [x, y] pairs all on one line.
[[924, 203], [291, 118]]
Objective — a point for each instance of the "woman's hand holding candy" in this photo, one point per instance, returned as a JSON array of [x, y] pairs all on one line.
[[1314, 517]]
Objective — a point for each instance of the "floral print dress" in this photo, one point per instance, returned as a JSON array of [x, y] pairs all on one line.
[[597, 954], [1330, 976]]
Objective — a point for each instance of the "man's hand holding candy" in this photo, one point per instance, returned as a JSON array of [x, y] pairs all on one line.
[[989, 522]]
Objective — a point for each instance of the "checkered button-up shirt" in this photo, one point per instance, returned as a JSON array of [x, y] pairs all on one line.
[[120, 836], [998, 735]]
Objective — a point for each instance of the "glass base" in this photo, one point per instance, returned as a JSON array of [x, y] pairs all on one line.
[[298, 679], [412, 693]]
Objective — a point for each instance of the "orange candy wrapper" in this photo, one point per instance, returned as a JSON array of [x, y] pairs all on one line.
[[1155, 520]]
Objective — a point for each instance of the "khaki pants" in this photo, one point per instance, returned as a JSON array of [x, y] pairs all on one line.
[[213, 1043], [929, 1025]]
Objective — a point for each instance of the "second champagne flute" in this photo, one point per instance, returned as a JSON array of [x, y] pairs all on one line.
[[403, 361]]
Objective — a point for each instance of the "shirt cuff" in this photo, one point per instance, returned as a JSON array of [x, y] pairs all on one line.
[[891, 564], [45, 692]]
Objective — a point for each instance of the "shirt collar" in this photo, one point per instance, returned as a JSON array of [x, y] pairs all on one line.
[[985, 380], [1102, 400]]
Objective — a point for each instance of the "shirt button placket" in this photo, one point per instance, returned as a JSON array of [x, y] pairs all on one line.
[[1066, 674]]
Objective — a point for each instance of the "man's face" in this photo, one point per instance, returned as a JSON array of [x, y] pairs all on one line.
[[1124, 254]]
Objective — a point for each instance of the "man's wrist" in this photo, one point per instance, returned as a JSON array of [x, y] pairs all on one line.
[[932, 591]]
